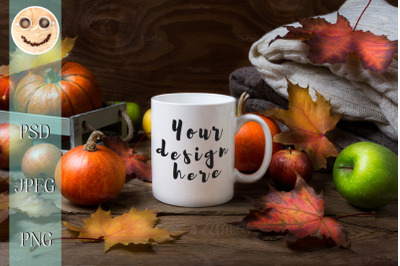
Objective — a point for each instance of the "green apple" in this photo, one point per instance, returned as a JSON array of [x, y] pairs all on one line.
[[365, 174], [134, 112]]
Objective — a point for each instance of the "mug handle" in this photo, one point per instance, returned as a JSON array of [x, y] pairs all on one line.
[[250, 178]]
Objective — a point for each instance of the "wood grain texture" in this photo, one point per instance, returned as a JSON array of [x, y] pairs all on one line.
[[139, 48], [213, 240]]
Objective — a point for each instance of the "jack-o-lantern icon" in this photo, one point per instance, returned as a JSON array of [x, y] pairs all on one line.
[[35, 30]]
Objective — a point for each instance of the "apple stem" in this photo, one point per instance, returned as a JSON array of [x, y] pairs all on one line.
[[361, 15], [346, 167], [356, 214]]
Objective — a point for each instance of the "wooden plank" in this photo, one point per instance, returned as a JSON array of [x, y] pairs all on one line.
[[97, 119], [212, 240], [75, 126], [58, 125]]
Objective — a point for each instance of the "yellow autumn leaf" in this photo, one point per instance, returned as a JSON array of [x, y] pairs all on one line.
[[21, 61], [135, 227], [308, 121]]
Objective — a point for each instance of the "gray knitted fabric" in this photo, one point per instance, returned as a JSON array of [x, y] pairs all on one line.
[[262, 96]]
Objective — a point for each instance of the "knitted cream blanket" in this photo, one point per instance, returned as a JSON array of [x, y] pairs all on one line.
[[356, 93]]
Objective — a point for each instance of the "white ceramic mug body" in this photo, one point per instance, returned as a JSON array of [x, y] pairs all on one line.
[[192, 148]]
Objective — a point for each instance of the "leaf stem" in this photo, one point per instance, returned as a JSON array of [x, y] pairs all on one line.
[[361, 15], [62, 238], [80, 238], [140, 140], [336, 144]]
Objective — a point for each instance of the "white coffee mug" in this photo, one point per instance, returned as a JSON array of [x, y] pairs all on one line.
[[193, 148]]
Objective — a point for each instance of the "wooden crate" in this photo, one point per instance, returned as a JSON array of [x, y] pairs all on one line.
[[75, 128]]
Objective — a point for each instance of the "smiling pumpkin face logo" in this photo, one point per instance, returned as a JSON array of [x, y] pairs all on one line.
[[35, 30]]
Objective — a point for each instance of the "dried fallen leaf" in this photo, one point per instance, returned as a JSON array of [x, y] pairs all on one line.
[[135, 227], [308, 121], [299, 214], [135, 164], [29, 203], [32, 204], [333, 43]]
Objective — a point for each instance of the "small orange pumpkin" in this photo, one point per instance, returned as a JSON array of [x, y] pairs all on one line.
[[250, 141], [90, 174], [45, 89], [4, 93]]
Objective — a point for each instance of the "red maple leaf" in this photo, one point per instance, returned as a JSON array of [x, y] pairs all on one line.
[[298, 213], [333, 43], [135, 164]]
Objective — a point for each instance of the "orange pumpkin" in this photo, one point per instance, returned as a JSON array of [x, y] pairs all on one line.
[[45, 89], [4, 93], [90, 174], [250, 141]]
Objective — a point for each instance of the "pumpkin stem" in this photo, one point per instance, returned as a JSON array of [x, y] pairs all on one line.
[[52, 76], [242, 103], [91, 142]]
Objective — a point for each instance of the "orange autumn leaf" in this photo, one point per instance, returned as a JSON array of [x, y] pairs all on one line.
[[135, 227], [308, 121], [334, 43], [298, 213]]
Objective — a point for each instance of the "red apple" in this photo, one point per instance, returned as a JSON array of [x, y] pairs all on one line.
[[12, 145], [4, 94], [284, 165]]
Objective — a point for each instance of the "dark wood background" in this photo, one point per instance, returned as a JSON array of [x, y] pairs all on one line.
[[139, 48]]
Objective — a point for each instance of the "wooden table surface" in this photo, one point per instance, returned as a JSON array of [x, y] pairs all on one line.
[[212, 240]]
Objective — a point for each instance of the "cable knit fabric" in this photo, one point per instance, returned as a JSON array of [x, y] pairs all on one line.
[[358, 94], [262, 97]]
